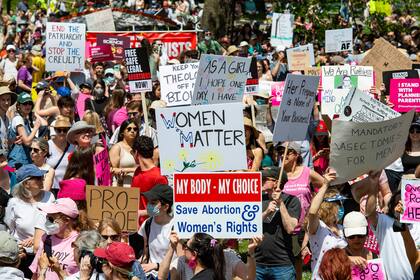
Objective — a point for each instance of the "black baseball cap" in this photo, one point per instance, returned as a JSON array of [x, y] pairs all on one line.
[[274, 172], [160, 192]]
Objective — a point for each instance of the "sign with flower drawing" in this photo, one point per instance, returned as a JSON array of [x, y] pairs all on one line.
[[201, 138]]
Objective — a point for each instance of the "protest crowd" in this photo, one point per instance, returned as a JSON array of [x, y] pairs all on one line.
[[266, 152]]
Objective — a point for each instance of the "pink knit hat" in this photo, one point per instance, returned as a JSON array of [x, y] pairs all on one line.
[[72, 188]]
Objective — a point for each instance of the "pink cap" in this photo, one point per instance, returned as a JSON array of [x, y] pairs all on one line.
[[66, 206], [72, 188]]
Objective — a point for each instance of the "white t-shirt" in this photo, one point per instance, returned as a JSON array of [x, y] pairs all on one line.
[[16, 121], [3, 133], [9, 69], [323, 240], [22, 217], [392, 250], [231, 260], [53, 160], [158, 239]]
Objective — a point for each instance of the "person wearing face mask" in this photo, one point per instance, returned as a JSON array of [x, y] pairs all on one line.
[[157, 229], [22, 215], [209, 44], [98, 99], [62, 230], [323, 226]]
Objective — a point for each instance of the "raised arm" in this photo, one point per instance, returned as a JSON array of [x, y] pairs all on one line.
[[313, 219], [371, 214]]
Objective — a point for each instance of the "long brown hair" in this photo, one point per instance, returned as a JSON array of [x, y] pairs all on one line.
[[81, 166], [116, 101], [21, 62]]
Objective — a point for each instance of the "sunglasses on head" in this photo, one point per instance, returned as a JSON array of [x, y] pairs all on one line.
[[415, 130], [61, 130], [113, 237], [131, 128], [360, 236]]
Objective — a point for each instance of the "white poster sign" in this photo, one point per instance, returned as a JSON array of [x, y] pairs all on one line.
[[220, 79], [201, 138], [357, 148], [223, 205], [295, 108], [282, 30], [100, 21], [65, 46], [177, 83], [338, 40], [361, 107], [305, 48], [336, 82]]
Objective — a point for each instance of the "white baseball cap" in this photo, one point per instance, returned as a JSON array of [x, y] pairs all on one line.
[[10, 47], [355, 223]]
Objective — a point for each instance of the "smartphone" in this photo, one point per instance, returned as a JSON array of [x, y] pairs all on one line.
[[48, 246]]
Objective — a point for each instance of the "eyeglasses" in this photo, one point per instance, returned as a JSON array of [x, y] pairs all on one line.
[[61, 130], [27, 103], [133, 114], [360, 236], [130, 128], [35, 150], [11, 51], [114, 237], [414, 130]]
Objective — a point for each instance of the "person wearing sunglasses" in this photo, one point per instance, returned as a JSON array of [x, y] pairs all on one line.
[[26, 125], [39, 154], [356, 231], [110, 230], [59, 150], [62, 229], [22, 215], [121, 154], [8, 64], [411, 157], [80, 135]]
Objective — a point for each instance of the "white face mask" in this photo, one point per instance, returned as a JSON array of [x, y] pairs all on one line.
[[52, 228]]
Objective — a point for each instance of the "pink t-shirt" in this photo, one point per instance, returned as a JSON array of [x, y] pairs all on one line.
[[62, 250], [80, 104], [300, 187], [119, 116]]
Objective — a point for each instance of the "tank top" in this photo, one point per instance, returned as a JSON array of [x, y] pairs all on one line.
[[410, 163], [300, 187], [126, 161]]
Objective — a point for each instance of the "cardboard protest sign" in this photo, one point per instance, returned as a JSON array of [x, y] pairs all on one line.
[[298, 61], [201, 138], [220, 79], [101, 53], [282, 30], [138, 69], [397, 74], [224, 205], [100, 21], [385, 57], [336, 83], [313, 71], [357, 148], [410, 197], [102, 170], [405, 94], [177, 83], [119, 203], [252, 78], [277, 89], [360, 107], [305, 48], [118, 44], [65, 46], [373, 271], [338, 40], [296, 108]]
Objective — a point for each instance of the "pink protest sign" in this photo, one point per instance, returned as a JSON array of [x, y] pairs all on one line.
[[277, 93], [371, 242], [373, 271], [410, 196], [103, 172], [101, 53], [80, 104], [405, 94]]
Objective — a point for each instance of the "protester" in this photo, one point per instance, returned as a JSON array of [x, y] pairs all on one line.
[[22, 215], [24, 76], [335, 265], [254, 151], [9, 258], [8, 65], [39, 155], [56, 246], [81, 166], [110, 230], [80, 135], [411, 157], [121, 154], [7, 98]]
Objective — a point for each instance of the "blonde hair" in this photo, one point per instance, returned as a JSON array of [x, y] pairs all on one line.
[[109, 222], [328, 211], [92, 118]]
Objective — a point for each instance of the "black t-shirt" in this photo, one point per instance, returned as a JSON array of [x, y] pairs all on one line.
[[98, 105], [206, 274], [276, 247]]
